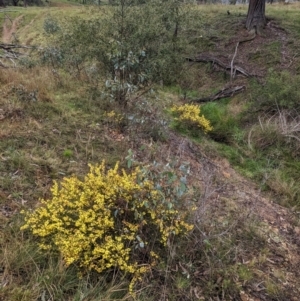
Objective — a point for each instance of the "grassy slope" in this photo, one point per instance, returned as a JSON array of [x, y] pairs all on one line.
[[265, 56], [230, 256]]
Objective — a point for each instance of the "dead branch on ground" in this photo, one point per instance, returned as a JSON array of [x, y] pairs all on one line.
[[9, 47], [224, 93], [207, 58], [12, 52]]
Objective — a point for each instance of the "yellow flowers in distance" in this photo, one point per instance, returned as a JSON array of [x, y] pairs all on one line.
[[106, 221], [113, 117], [189, 115]]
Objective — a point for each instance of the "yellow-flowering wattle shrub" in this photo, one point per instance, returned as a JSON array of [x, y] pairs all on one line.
[[189, 115], [107, 220]]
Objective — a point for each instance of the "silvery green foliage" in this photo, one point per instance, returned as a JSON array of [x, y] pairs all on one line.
[[133, 44], [51, 26], [53, 56]]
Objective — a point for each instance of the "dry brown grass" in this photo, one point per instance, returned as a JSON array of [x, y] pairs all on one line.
[[36, 79], [281, 128]]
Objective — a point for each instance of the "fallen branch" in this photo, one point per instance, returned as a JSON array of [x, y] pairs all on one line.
[[8, 47], [11, 52], [206, 58], [224, 93], [7, 56], [4, 10]]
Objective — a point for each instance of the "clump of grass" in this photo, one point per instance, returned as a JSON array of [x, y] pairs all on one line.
[[213, 261], [32, 83], [276, 136], [281, 131], [285, 185], [68, 153], [30, 274], [225, 125], [269, 55], [279, 93]]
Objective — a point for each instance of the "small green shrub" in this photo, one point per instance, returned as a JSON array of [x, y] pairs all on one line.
[[132, 45], [28, 62], [146, 120], [51, 26], [68, 153], [280, 92], [110, 219]]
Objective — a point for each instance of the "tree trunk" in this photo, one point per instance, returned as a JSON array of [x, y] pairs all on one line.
[[256, 19]]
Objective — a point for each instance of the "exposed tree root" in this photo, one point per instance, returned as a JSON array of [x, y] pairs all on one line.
[[206, 58]]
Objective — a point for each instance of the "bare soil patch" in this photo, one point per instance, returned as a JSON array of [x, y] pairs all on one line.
[[224, 192], [254, 55], [10, 28]]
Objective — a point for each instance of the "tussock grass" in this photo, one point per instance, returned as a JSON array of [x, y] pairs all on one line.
[[29, 80]]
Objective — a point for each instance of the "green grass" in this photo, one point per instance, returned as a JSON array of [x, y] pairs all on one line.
[[273, 168], [31, 274], [225, 126], [268, 55], [288, 16]]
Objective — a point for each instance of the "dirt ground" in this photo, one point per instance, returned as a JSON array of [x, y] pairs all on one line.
[[226, 192], [10, 28]]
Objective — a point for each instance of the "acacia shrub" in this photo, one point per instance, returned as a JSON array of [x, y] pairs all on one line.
[[111, 219], [189, 116]]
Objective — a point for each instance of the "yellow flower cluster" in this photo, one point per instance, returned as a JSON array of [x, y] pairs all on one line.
[[113, 117], [189, 114], [105, 221]]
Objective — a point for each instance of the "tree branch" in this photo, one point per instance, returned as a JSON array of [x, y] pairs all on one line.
[[224, 93], [206, 58], [8, 47], [231, 64], [10, 53]]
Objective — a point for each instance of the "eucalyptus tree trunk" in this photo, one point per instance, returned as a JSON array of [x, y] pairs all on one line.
[[256, 19]]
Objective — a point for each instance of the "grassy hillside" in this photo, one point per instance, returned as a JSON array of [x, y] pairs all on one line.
[[238, 184]]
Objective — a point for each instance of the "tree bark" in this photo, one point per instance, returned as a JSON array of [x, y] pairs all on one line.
[[256, 19]]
